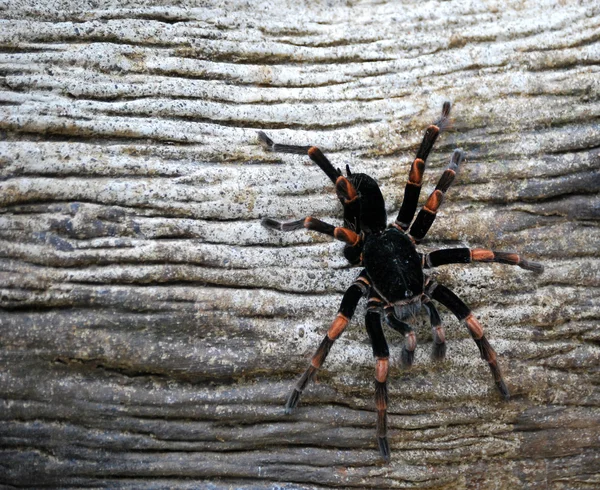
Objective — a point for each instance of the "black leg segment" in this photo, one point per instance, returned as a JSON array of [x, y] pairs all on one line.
[[345, 190], [314, 153], [427, 214], [382, 354], [415, 176], [438, 351], [314, 224], [463, 313], [468, 255], [352, 296], [410, 339]]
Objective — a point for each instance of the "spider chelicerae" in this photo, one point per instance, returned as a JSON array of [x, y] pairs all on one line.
[[393, 275]]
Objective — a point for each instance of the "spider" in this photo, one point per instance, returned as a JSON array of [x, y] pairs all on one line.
[[393, 275]]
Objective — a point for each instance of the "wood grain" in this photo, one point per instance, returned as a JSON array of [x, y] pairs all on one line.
[[151, 329]]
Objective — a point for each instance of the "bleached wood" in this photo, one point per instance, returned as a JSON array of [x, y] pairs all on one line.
[[151, 329]]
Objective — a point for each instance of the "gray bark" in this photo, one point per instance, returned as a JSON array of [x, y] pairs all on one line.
[[151, 329]]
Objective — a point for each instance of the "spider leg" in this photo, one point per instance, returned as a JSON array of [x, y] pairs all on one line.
[[313, 152], [410, 339], [382, 354], [344, 188], [415, 176], [463, 313], [353, 294], [337, 232], [468, 255], [438, 351], [427, 214]]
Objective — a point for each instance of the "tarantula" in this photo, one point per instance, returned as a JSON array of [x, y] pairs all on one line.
[[393, 275]]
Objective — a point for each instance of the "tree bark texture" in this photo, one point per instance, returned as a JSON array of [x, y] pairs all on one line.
[[151, 329]]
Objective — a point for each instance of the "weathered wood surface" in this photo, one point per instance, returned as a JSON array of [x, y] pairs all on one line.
[[150, 329]]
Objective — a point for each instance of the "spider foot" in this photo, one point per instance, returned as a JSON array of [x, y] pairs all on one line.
[[503, 389], [265, 140], [438, 352], [500, 384], [445, 122], [292, 401], [308, 375], [273, 224], [531, 266], [269, 145], [408, 357], [408, 351], [450, 173], [489, 355], [384, 448]]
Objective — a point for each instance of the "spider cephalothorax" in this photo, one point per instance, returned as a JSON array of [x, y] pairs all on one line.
[[393, 270]]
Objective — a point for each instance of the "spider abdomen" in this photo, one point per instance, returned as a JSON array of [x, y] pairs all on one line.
[[394, 266]]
